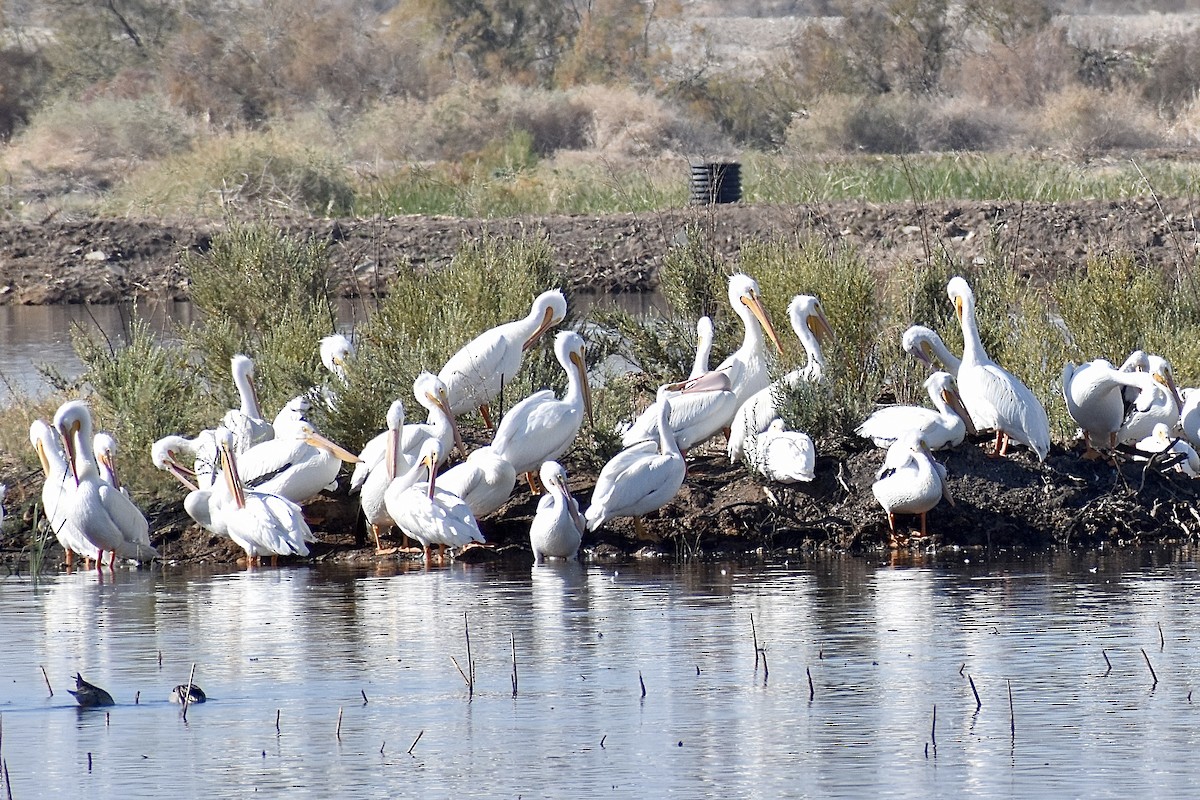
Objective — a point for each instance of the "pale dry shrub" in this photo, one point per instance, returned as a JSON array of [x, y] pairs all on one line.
[[1185, 127], [871, 124], [1019, 75], [961, 123], [1174, 77], [1086, 120], [630, 123]]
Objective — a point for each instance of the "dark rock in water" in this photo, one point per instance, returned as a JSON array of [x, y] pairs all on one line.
[[89, 696], [181, 691]]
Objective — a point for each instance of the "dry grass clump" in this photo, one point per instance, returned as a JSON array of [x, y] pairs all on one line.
[[1086, 120], [1017, 75], [246, 172], [625, 122]]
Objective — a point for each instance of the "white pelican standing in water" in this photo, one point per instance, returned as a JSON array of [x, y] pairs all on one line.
[[945, 425], [1164, 406], [484, 481], [49, 448], [758, 411], [911, 481], [1093, 392], [108, 519], [431, 515], [781, 455], [376, 449], [258, 522], [558, 527], [246, 422], [542, 427], [994, 397], [477, 374], [925, 345], [639, 479]]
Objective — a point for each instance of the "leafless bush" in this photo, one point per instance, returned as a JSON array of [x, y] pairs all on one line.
[[1087, 120], [1018, 75], [1174, 77], [630, 123]]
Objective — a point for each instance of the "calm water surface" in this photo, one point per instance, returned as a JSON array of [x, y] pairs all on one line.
[[883, 644]]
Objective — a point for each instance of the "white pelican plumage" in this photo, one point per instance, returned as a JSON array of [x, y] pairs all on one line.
[[391, 471], [439, 424], [746, 367], [557, 528], [376, 449], [811, 326], [700, 409], [1165, 405], [910, 481], [246, 422], [704, 343], [260, 523], [336, 350], [1093, 392], [49, 447], [944, 425], [639, 479], [927, 346], [298, 464], [1189, 416], [479, 371], [542, 427], [104, 445], [431, 515], [781, 455], [1161, 441], [484, 481], [994, 397], [108, 519]]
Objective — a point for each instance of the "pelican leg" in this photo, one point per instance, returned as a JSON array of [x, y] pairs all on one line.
[[893, 534], [379, 551], [112, 560], [535, 485], [486, 412], [441, 554], [924, 532], [1090, 453], [99, 560], [1004, 443], [427, 555], [639, 529], [996, 446], [274, 560], [70, 560]]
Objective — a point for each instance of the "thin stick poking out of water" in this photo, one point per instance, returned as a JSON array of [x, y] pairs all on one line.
[[414, 744], [339, 725], [46, 678], [513, 638], [978, 702], [643, 683], [187, 696], [1162, 642], [1106, 661], [811, 691], [1012, 717], [754, 635], [277, 721], [1151, 666], [364, 694], [7, 783], [933, 730]]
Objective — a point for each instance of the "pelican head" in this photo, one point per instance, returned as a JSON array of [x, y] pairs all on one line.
[[74, 423], [336, 350], [242, 368], [570, 349], [943, 385], [744, 293], [805, 312], [549, 309], [431, 392], [431, 456], [1160, 370], [164, 455], [959, 292], [917, 341]]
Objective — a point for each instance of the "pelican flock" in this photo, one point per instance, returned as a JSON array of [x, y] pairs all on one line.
[[249, 480]]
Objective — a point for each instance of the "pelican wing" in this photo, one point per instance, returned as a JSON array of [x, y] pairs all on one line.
[[695, 417], [473, 375], [539, 428], [887, 424], [999, 400], [128, 519]]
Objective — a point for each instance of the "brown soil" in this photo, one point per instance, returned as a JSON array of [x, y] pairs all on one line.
[[722, 510]]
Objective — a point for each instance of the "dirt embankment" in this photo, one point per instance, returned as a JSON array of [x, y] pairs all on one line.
[[721, 509], [105, 261]]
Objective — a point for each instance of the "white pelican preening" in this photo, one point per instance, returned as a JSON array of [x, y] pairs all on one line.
[[246, 422], [925, 345], [1161, 441], [945, 425], [910, 481], [478, 373], [298, 464], [760, 409], [557, 528], [390, 470], [994, 397], [1164, 406], [1093, 392], [336, 350], [260, 523], [542, 427], [700, 408], [639, 479], [484, 481], [781, 455], [431, 515], [107, 518], [49, 447], [1189, 416]]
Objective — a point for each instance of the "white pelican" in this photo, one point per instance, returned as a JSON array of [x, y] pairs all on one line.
[[757, 412], [746, 367], [994, 397], [639, 479], [1189, 416], [910, 481], [478, 373], [704, 342], [166, 454], [1093, 394], [1164, 406], [700, 409], [781, 455], [1161, 441], [298, 464], [336, 350], [557, 528], [925, 345], [542, 427], [944, 427], [104, 445], [246, 422], [49, 448], [108, 519], [387, 468], [439, 424], [484, 481], [432, 515], [260, 523], [374, 451]]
